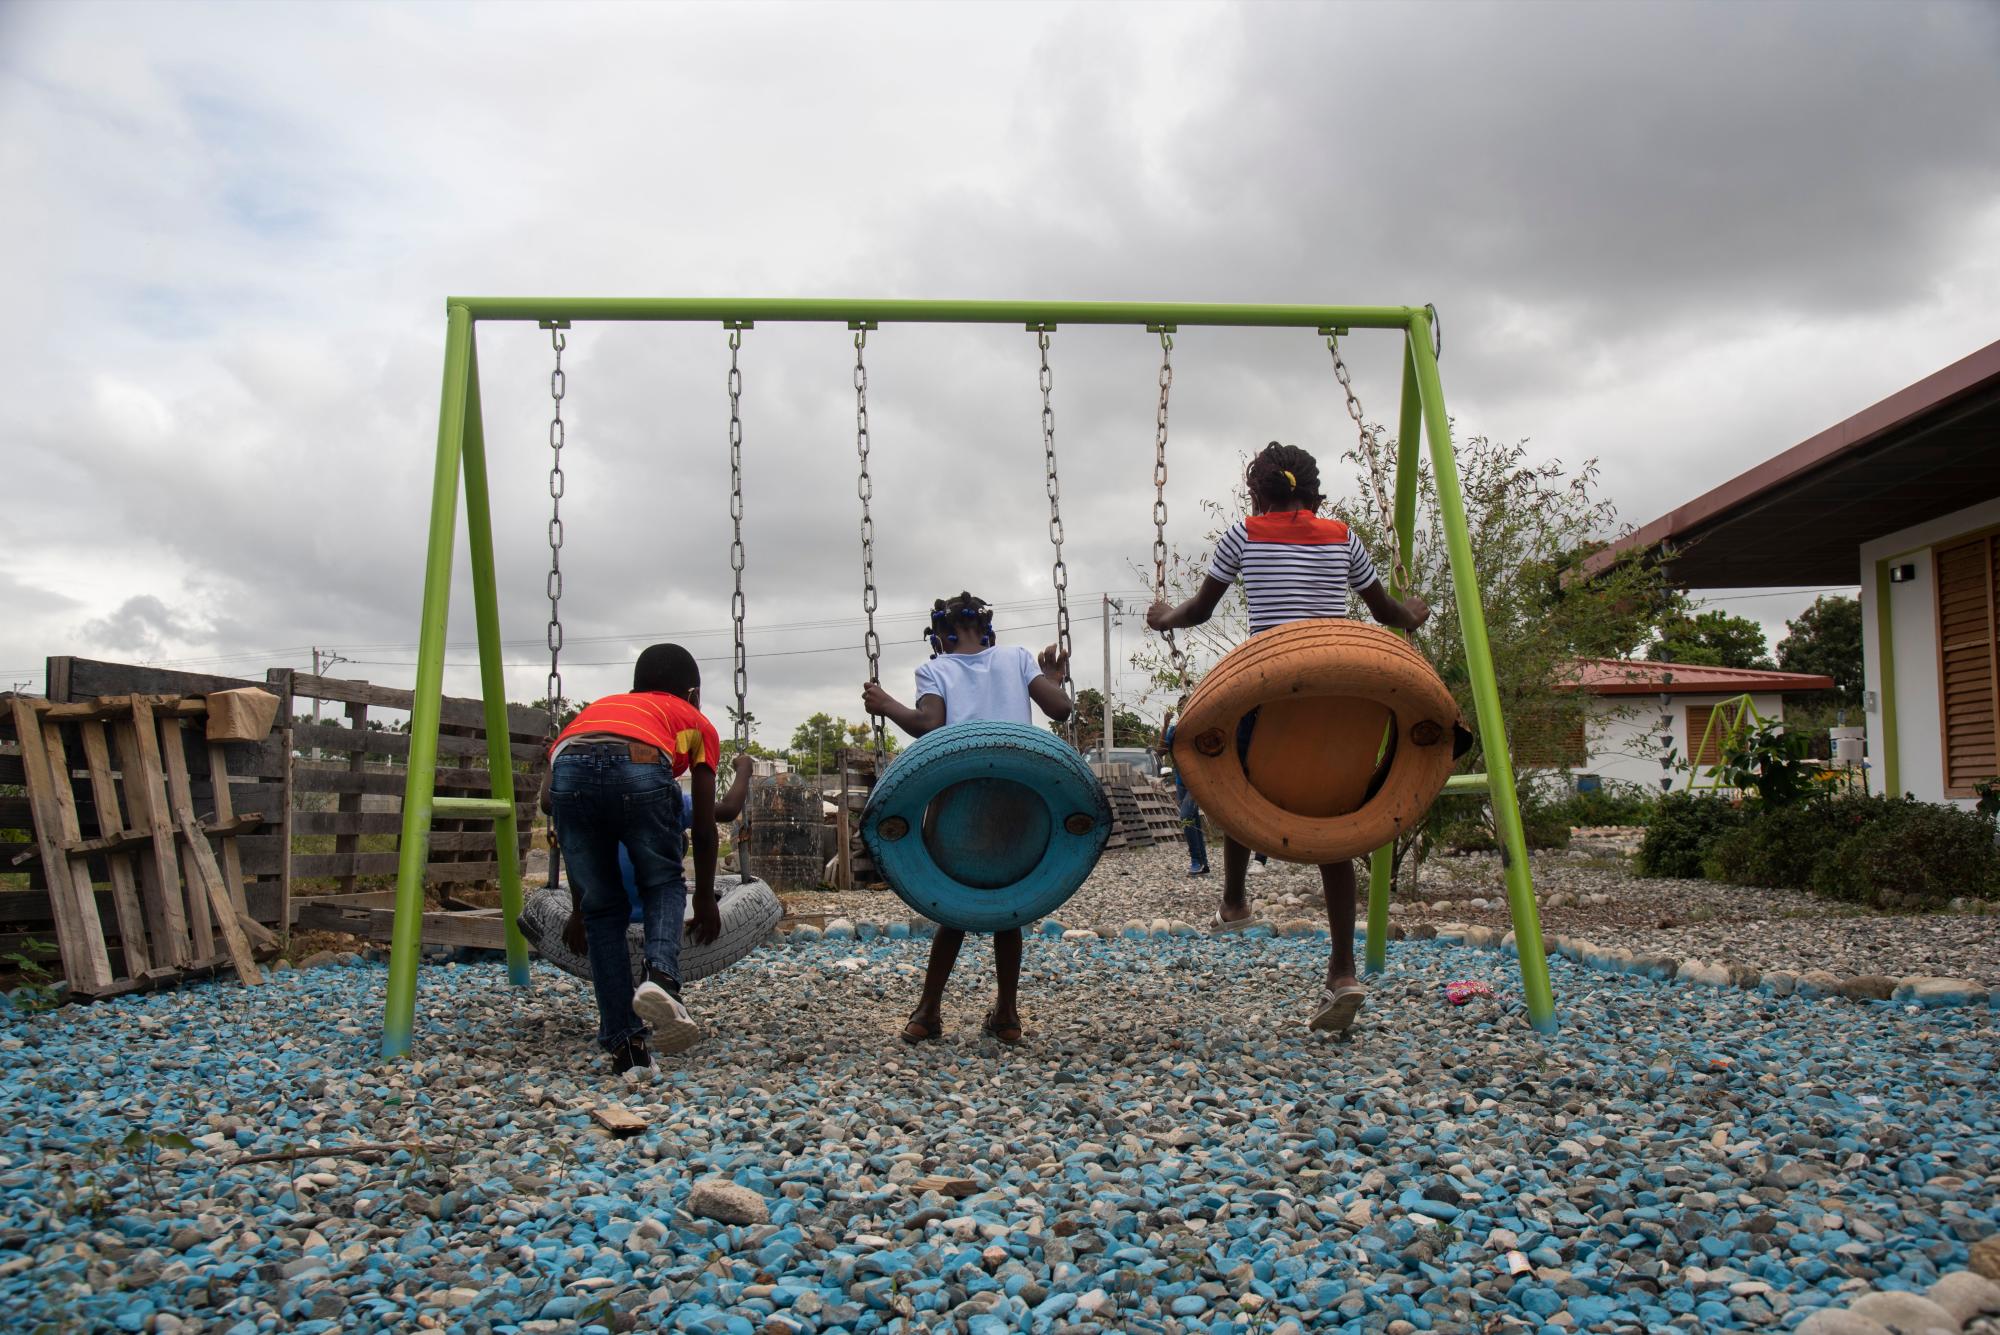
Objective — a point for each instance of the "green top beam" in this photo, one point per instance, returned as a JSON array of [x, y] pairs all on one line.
[[737, 310]]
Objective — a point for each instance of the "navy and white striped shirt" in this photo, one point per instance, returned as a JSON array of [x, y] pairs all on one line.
[[1294, 566]]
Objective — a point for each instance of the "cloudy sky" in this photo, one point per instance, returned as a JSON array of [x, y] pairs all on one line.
[[1677, 238]]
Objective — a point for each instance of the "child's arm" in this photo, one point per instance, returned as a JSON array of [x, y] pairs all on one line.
[[707, 923], [1047, 689], [928, 716], [730, 805], [1165, 616], [1406, 614]]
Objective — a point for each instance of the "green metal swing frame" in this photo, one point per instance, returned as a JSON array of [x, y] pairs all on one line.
[[461, 462]]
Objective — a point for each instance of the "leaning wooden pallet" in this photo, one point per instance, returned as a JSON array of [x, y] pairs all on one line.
[[171, 893]]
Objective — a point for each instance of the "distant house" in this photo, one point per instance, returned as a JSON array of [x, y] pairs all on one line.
[[1620, 740], [1902, 498]]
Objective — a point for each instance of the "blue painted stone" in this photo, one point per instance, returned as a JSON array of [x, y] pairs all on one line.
[[1541, 1301]]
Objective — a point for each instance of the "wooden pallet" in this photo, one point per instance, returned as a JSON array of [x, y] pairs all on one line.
[[853, 868], [1143, 813], [1157, 808], [372, 915], [177, 902]]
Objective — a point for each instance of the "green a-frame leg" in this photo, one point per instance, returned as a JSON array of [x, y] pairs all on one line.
[[461, 444], [1423, 414], [461, 452]]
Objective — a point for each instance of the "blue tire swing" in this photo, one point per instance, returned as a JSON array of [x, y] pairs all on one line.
[[982, 826]]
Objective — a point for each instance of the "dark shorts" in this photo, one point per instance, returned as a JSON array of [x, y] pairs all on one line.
[[1245, 728]]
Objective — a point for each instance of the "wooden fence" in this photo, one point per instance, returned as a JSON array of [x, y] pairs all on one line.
[[341, 779], [371, 763]]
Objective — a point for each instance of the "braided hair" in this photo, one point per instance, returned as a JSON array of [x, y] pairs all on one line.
[[1284, 477], [946, 613]]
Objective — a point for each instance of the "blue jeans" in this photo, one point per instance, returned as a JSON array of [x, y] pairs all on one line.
[[1197, 842], [602, 799]]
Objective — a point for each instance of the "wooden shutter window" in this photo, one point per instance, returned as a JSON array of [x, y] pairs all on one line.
[[1969, 711], [1704, 748], [1543, 739]]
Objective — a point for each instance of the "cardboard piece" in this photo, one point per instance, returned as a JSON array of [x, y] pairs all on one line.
[[241, 715]]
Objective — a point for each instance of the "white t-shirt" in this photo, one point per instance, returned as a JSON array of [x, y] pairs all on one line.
[[990, 685]]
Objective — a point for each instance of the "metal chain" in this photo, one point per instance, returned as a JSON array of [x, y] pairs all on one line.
[[1056, 530], [1399, 579], [864, 487], [1179, 659], [558, 386], [736, 605]]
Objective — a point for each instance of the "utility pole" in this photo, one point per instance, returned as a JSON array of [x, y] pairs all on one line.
[[322, 660], [1109, 604]]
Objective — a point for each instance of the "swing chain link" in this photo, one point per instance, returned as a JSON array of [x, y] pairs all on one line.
[[1371, 454], [864, 487], [736, 602], [1178, 658], [1061, 569], [558, 386]]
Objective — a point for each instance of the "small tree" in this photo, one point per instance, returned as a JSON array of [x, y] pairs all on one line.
[[818, 737], [1128, 728], [570, 709], [1712, 639], [1530, 525], [861, 736], [1826, 639]]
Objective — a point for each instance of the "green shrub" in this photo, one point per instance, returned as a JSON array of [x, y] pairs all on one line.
[[1465, 824], [1902, 853], [1772, 847], [1613, 804], [1682, 830]]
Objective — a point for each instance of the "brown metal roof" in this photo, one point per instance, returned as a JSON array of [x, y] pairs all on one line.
[[1798, 518], [1632, 676]]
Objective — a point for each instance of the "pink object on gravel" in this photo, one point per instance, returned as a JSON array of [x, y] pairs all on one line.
[[1460, 993]]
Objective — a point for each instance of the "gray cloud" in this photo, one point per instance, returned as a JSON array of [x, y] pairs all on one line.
[[1681, 237], [142, 625]]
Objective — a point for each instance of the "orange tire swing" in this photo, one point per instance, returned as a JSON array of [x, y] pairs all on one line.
[[1352, 743]]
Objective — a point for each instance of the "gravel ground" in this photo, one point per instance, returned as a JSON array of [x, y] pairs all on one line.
[[1765, 929], [1170, 1151]]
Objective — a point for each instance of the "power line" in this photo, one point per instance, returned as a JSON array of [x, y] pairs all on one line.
[[827, 623], [1783, 593], [718, 658]]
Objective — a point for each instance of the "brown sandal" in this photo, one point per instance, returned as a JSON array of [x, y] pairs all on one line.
[[918, 1031], [1010, 1034]]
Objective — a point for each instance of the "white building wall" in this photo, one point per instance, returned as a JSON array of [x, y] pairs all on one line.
[[1913, 642], [1622, 737]]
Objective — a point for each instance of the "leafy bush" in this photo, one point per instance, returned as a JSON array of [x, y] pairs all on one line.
[[1682, 830], [1775, 846], [1902, 853], [1770, 762], [1465, 824], [1613, 804]]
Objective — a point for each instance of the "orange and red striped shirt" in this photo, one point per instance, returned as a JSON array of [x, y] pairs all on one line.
[[655, 718], [1295, 566]]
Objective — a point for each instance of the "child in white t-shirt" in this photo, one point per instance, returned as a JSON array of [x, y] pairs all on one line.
[[970, 678]]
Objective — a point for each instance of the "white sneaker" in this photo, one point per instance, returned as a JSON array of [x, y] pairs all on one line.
[[674, 1030]]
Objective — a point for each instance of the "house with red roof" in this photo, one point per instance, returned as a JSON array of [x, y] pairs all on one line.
[[1641, 713], [1903, 498]]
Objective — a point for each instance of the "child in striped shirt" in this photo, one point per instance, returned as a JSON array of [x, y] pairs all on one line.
[[1295, 566]]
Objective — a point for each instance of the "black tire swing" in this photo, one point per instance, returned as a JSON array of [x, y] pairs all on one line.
[[981, 826], [748, 907]]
